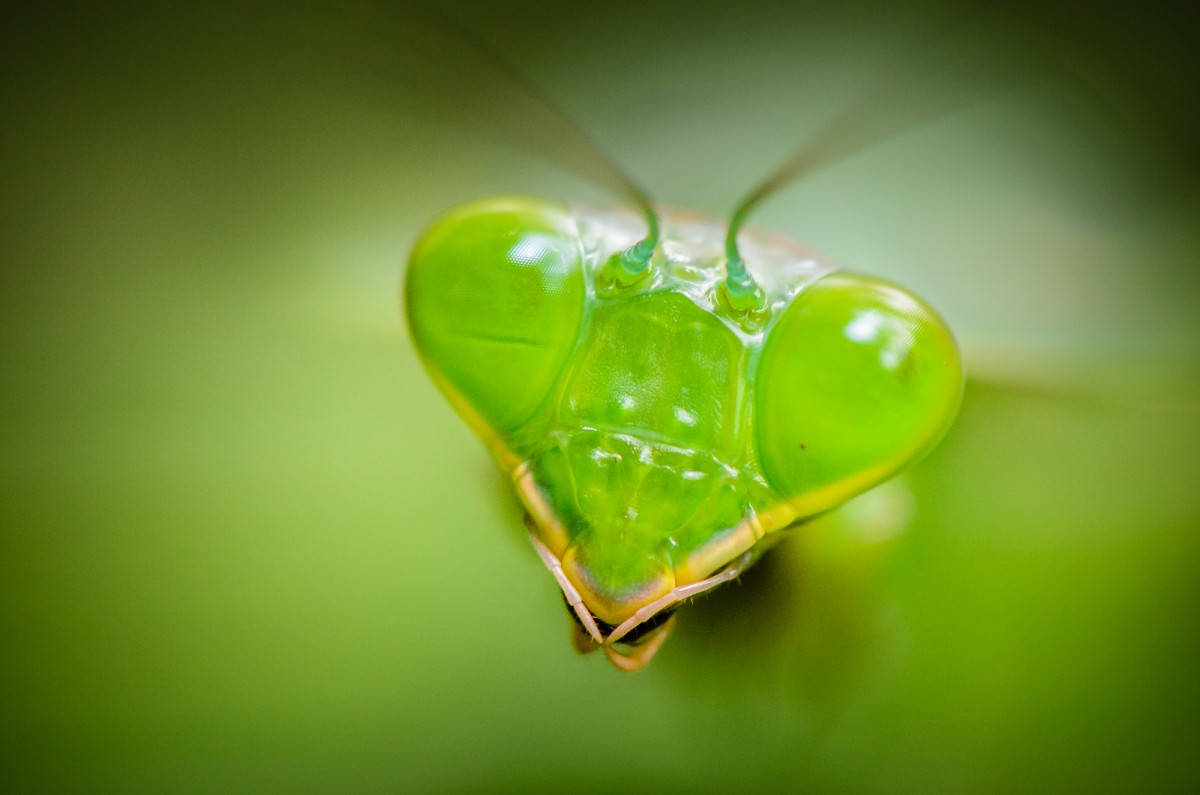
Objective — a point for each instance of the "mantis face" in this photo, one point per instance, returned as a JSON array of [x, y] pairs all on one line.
[[659, 433]]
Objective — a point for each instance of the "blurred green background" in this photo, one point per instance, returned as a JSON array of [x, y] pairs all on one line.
[[246, 546]]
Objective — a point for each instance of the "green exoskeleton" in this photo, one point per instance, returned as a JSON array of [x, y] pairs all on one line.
[[669, 392], [659, 437]]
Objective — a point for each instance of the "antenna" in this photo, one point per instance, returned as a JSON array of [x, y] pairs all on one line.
[[432, 52], [954, 61]]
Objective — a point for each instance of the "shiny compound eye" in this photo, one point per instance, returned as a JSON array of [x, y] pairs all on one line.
[[857, 379], [495, 296]]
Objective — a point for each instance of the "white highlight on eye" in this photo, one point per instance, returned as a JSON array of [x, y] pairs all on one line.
[[865, 326], [529, 250], [627, 402], [891, 357], [685, 416], [892, 334]]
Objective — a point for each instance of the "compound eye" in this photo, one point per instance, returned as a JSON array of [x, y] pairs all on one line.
[[495, 295], [857, 379]]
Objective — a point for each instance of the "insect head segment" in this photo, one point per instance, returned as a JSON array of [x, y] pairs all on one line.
[[664, 412]]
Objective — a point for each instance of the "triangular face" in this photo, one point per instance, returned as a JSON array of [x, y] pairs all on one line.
[[656, 439]]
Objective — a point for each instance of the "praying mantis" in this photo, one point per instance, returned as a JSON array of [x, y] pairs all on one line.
[[670, 392]]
